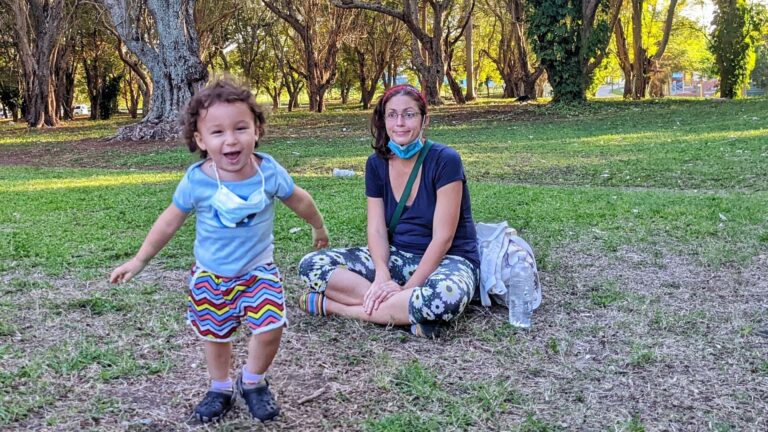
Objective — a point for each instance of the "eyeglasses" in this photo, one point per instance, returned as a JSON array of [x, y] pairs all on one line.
[[407, 116]]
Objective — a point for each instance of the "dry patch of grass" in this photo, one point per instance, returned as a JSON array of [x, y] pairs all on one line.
[[641, 339]]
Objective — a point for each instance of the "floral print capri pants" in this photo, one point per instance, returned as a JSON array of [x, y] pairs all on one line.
[[445, 294]]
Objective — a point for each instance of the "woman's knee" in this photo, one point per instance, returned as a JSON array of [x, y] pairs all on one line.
[[316, 267], [442, 301]]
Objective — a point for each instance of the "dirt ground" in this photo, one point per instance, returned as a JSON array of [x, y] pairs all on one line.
[[680, 347], [683, 352]]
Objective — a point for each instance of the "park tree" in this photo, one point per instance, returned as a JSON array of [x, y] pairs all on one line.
[[289, 59], [283, 73], [688, 49], [759, 74], [345, 77], [570, 39], [100, 62], [454, 31], [212, 18], [469, 54], [426, 21], [10, 73], [320, 30], [162, 35], [37, 27], [512, 55], [737, 27], [373, 51], [130, 91], [251, 30], [643, 66]]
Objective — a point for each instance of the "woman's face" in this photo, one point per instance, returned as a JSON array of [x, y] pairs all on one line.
[[403, 119]]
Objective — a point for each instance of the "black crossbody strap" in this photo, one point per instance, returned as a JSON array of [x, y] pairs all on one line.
[[407, 191]]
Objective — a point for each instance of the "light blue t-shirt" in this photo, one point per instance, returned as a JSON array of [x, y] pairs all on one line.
[[234, 251]]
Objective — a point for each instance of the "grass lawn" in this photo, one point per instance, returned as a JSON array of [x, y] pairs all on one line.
[[648, 220]]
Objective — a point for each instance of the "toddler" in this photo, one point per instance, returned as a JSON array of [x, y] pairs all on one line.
[[232, 191]]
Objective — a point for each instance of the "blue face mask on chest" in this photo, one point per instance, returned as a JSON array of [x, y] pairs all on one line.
[[232, 210]]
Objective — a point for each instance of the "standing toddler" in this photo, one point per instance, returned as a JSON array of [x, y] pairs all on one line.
[[232, 191]]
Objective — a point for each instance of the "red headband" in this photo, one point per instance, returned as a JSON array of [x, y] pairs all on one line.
[[407, 88]]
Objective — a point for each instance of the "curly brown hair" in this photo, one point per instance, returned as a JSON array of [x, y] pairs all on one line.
[[220, 90], [378, 122]]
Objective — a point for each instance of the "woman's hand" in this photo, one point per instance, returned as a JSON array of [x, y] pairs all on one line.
[[378, 293]]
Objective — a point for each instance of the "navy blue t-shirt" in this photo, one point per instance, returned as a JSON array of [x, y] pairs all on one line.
[[441, 166]]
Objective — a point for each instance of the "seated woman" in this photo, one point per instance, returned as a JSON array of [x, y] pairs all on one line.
[[425, 271]]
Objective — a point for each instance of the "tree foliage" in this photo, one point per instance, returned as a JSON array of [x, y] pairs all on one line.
[[511, 53], [320, 29], [736, 31], [427, 23], [570, 38]]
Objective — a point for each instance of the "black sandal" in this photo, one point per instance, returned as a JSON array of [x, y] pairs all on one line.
[[259, 399], [214, 406]]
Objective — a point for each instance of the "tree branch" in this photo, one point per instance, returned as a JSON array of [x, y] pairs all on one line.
[[667, 30]]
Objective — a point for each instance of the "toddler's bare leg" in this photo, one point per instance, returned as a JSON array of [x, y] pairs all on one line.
[[262, 349], [218, 356]]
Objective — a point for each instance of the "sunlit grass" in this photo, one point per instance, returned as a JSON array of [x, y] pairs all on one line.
[[74, 130], [89, 182]]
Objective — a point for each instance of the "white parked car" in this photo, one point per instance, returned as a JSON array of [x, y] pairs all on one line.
[[81, 110]]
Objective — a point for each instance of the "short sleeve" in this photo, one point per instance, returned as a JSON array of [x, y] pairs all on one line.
[[182, 197], [284, 184], [374, 186], [449, 168]]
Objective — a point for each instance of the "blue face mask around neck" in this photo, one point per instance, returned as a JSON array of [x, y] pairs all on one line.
[[409, 150]]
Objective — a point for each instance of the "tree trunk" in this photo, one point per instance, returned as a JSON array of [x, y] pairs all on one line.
[[345, 89], [36, 27], [624, 62], [469, 64], [145, 84], [456, 92], [638, 63], [293, 86], [66, 66], [174, 63], [274, 94], [131, 95], [319, 62], [426, 49]]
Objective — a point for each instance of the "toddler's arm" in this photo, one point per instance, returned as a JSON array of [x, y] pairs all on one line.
[[303, 205], [161, 233]]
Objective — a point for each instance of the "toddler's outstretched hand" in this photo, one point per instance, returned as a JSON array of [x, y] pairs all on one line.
[[125, 272], [319, 237]]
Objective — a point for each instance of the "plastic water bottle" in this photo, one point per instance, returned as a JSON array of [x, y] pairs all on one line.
[[343, 173], [520, 290]]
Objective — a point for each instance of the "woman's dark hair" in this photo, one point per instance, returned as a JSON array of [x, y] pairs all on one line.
[[220, 90], [378, 121]]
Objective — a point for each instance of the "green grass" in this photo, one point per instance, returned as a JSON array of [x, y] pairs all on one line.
[[452, 407], [74, 130], [679, 177], [84, 209]]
